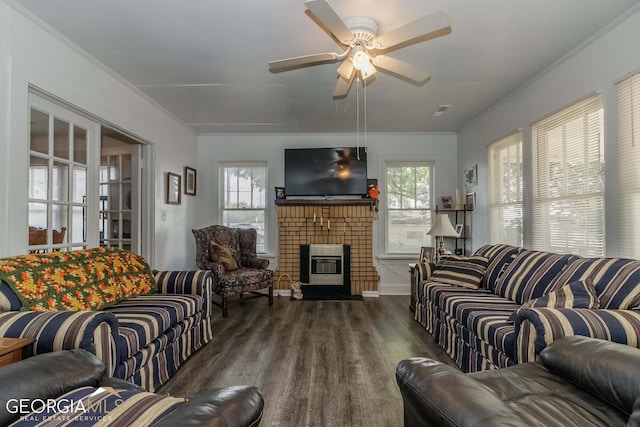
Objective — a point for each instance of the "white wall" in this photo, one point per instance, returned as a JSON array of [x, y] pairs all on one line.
[[213, 149], [31, 55], [594, 68]]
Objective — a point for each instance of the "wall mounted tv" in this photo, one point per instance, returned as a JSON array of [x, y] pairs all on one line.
[[325, 172]]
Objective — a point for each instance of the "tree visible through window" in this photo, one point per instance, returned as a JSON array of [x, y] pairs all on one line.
[[408, 201], [244, 198]]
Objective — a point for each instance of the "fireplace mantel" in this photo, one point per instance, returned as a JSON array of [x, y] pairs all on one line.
[[323, 202], [303, 222]]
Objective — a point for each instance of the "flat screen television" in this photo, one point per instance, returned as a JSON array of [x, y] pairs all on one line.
[[325, 172]]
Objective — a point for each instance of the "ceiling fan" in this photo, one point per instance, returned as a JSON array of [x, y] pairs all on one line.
[[359, 36]]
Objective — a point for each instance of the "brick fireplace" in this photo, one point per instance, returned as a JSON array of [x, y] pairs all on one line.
[[343, 222]]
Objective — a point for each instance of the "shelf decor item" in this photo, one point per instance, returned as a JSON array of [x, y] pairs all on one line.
[[189, 181], [446, 202], [174, 188], [471, 202], [442, 228], [280, 194]]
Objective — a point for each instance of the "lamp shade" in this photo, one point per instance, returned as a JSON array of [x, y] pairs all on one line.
[[442, 227]]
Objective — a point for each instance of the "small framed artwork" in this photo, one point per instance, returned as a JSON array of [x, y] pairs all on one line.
[[471, 202], [427, 254], [459, 228], [189, 181], [280, 194], [447, 202], [471, 176], [174, 188]]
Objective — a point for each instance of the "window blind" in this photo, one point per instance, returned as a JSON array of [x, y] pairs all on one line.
[[628, 97], [505, 190], [568, 187]]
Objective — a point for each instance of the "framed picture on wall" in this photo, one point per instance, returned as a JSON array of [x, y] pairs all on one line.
[[471, 202], [471, 176], [174, 188], [189, 181]]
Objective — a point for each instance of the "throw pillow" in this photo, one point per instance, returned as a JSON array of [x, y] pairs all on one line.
[[529, 275], [222, 255], [579, 294], [461, 271]]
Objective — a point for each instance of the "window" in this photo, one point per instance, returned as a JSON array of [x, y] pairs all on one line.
[[505, 190], [568, 187], [628, 170], [409, 201], [244, 194]]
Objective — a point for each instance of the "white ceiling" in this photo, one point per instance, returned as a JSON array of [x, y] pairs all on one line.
[[206, 60]]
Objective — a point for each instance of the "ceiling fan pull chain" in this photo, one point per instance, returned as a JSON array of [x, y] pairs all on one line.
[[364, 84], [358, 117]]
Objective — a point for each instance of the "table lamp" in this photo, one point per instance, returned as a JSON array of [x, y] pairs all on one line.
[[442, 228]]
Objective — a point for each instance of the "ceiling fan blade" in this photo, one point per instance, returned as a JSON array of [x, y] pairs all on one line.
[[301, 61], [325, 13], [401, 68], [427, 27], [343, 85]]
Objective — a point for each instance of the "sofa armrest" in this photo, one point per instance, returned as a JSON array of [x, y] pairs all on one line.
[[537, 328], [43, 377], [198, 282], [93, 331], [605, 369], [435, 394], [424, 270], [226, 407]]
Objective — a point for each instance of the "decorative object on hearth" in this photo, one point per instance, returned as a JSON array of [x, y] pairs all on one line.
[[296, 287], [280, 194], [442, 228], [360, 42]]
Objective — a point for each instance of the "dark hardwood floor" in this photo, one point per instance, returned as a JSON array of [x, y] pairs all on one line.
[[317, 363]]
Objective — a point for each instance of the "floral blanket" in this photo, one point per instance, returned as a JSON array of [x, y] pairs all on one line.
[[87, 279]]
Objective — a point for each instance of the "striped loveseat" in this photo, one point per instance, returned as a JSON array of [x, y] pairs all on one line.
[[141, 324], [504, 305]]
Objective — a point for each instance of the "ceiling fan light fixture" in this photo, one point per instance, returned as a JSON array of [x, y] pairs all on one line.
[[361, 60]]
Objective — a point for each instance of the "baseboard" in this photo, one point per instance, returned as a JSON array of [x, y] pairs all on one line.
[[401, 289]]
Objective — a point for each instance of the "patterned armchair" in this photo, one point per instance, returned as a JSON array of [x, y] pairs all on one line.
[[230, 254]]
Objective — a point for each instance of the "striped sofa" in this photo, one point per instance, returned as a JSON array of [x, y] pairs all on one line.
[[141, 334], [504, 305]]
